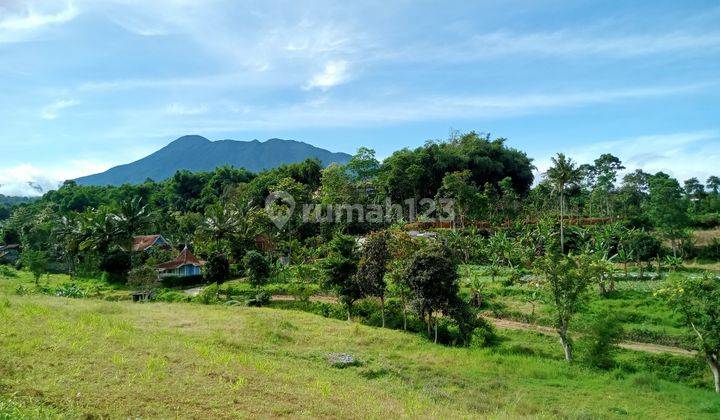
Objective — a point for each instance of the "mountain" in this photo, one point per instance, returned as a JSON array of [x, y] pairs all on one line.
[[197, 154]]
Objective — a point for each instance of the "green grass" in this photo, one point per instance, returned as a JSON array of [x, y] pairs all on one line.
[[645, 317], [89, 357]]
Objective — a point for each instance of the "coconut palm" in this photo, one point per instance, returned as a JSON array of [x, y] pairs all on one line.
[[562, 174], [221, 222], [131, 218]]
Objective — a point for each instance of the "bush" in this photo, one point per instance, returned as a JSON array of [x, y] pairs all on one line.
[[177, 281], [706, 221], [208, 295], [711, 251], [144, 278], [260, 299], [600, 341], [257, 268], [217, 268], [172, 296]]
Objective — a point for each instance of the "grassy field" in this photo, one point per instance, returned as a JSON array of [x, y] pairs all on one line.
[[645, 316], [87, 357]]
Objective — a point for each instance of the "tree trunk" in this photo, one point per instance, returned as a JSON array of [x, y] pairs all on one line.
[[566, 343], [404, 314], [562, 222], [713, 362], [625, 267], [435, 331], [642, 270], [348, 313], [382, 310], [429, 325]]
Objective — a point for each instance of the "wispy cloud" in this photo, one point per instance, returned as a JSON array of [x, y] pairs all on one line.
[[52, 111], [682, 155], [25, 17], [334, 73], [582, 43], [185, 110], [325, 111]]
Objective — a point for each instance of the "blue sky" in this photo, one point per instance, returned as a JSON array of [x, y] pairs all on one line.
[[88, 84]]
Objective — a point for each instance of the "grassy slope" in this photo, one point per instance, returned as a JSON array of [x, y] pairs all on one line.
[[83, 357]]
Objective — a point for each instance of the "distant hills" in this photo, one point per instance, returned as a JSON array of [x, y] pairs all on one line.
[[197, 154]]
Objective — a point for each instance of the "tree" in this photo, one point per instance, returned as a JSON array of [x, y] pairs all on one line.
[[566, 281], [131, 217], [144, 278], [562, 174], [606, 168], [217, 268], [713, 184], [221, 222], [432, 276], [339, 268], [36, 262], [257, 268], [458, 186], [373, 267], [696, 299], [363, 166], [667, 209]]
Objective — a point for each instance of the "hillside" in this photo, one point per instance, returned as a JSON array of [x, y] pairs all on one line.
[[196, 153], [118, 359]]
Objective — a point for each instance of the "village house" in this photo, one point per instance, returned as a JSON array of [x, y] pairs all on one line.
[[9, 253], [185, 265], [146, 242]]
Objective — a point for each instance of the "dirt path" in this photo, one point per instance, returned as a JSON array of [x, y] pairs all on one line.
[[630, 345]]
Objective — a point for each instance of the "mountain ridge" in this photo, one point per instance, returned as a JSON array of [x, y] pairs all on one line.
[[199, 154]]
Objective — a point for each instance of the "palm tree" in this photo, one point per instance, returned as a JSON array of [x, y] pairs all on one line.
[[131, 218], [99, 230], [562, 174], [70, 235], [221, 222]]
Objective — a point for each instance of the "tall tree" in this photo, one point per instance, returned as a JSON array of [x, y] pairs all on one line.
[[340, 267], [606, 169], [667, 208], [562, 174], [713, 184], [373, 267]]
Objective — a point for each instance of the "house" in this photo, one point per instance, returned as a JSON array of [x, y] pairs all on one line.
[[9, 253], [146, 242], [184, 265]]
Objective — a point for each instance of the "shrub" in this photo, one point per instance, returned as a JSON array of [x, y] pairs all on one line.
[[260, 299], [144, 278], [208, 295], [257, 268], [217, 269], [177, 281], [603, 334]]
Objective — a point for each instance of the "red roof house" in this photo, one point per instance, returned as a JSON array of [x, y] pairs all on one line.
[[143, 243], [186, 264]]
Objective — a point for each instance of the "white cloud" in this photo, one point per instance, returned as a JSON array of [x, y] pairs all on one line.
[[30, 181], [682, 155], [334, 73], [18, 19], [52, 111], [185, 110]]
